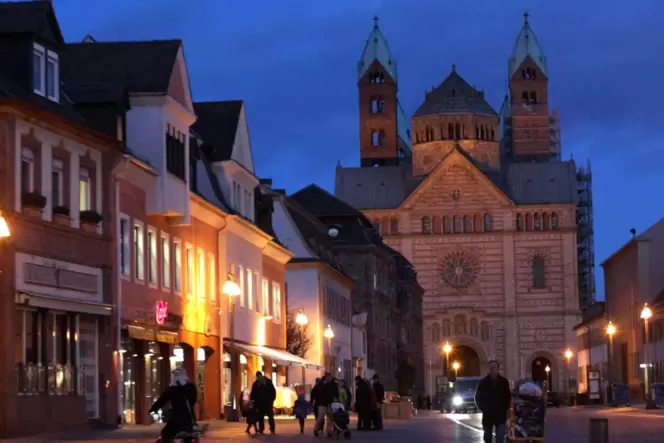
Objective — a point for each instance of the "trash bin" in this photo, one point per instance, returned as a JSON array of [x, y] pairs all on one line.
[[657, 394], [620, 395]]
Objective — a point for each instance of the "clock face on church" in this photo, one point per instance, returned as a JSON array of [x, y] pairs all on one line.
[[459, 269]]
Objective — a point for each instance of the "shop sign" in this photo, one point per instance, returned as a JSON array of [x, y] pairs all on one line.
[[161, 312]]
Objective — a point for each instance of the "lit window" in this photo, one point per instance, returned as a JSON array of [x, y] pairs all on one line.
[[190, 271], [124, 251], [139, 251], [265, 296], [27, 170], [276, 300], [152, 257], [84, 189], [201, 275], [52, 76], [165, 262], [250, 289], [240, 272], [57, 183], [177, 260], [257, 280], [212, 277]]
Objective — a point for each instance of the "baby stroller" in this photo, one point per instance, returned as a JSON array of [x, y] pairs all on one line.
[[340, 421]]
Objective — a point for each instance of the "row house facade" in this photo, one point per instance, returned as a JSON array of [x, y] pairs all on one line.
[[370, 263], [56, 285], [631, 280], [317, 286]]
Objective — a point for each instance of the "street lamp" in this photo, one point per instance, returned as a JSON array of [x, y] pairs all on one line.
[[548, 372], [4, 227], [568, 357], [329, 335], [302, 320], [610, 331], [231, 290], [456, 367], [447, 349], [646, 313]]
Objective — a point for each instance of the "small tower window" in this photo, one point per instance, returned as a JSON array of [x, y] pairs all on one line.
[[533, 97], [377, 105], [426, 225], [519, 222], [457, 224], [442, 132], [394, 225], [457, 131], [450, 131], [554, 221], [377, 138], [537, 223], [429, 134], [468, 224], [446, 225], [377, 78], [524, 97], [477, 132], [482, 132], [493, 135], [487, 223]]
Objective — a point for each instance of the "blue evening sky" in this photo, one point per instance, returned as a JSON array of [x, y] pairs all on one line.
[[294, 63]]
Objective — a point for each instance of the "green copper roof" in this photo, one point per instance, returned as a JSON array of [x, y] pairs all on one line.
[[526, 46], [376, 49]]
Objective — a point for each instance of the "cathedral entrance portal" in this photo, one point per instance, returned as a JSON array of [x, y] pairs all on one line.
[[542, 370], [469, 361]]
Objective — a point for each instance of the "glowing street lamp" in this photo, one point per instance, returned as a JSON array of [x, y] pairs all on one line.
[[4, 227], [231, 289], [568, 356], [329, 335], [610, 330], [447, 349], [301, 318], [646, 314], [456, 367]]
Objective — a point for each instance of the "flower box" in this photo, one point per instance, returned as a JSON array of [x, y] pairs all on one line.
[[90, 220], [61, 215], [33, 203]]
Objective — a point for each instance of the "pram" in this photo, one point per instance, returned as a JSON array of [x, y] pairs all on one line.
[[340, 421]]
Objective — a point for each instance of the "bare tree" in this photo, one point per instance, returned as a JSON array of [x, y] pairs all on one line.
[[298, 340]]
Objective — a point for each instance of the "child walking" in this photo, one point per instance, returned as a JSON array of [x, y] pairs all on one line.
[[251, 416], [300, 410]]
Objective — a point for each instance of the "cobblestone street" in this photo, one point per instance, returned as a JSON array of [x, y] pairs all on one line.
[[569, 425]]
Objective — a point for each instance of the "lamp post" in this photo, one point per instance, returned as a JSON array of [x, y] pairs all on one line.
[[456, 367], [302, 320], [610, 331], [568, 357], [548, 373], [329, 335], [646, 313], [231, 290], [447, 349]]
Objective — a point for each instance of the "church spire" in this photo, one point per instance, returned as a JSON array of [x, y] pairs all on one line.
[[376, 49], [527, 46]]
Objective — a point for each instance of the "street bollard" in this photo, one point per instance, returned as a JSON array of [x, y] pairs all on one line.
[[599, 430]]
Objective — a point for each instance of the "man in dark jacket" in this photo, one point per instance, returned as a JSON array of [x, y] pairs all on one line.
[[263, 395], [181, 395], [379, 389], [362, 404], [493, 397]]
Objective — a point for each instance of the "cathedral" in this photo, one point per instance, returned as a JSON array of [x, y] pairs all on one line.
[[482, 205]]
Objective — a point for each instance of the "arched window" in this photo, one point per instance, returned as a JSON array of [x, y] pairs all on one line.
[[450, 131], [537, 223], [533, 97], [436, 224], [493, 135], [539, 277], [554, 221], [467, 224], [519, 222], [446, 225], [524, 97], [457, 131], [377, 138], [478, 223], [457, 224], [377, 105], [482, 132], [442, 132], [429, 133], [533, 74], [477, 132], [487, 223], [426, 225]]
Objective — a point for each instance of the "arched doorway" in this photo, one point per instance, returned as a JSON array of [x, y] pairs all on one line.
[[470, 363], [542, 371]]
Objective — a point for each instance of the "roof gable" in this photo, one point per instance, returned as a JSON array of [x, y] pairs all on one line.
[[178, 86], [34, 17], [321, 203], [217, 124], [242, 145], [456, 168], [139, 67], [455, 96]]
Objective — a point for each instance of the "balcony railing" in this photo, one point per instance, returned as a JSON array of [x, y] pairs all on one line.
[[175, 158], [52, 379]]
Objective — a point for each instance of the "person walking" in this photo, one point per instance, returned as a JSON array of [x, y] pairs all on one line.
[[263, 395], [300, 410], [325, 395], [379, 389], [362, 395], [493, 397], [345, 395]]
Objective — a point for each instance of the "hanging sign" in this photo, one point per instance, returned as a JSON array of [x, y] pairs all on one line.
[[161, 312]]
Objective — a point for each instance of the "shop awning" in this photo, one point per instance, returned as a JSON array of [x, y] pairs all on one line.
[[63, 304], [281, 358], [141, 333]]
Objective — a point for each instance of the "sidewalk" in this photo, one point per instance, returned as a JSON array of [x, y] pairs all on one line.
[[639, 407]]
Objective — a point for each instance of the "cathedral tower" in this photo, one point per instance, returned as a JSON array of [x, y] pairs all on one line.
[[379, 107], [528, 84]]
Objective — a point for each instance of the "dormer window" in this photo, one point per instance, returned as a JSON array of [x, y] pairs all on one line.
[[45, 73]]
